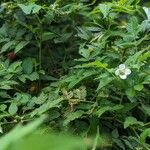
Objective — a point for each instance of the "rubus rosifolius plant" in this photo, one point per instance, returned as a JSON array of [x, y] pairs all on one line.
[[101, 93], [34, 45], [115, 72]]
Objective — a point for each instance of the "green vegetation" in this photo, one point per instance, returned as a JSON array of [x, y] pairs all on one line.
[[85, 65]]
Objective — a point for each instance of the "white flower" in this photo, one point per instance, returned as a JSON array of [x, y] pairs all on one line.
[[147, 11], [123, 71]]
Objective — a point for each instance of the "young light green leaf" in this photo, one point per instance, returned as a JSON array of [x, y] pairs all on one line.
[[144, 135], [96, 64], [139, 87], [31, 8], [105, 9], [129, 121], [26, 9]]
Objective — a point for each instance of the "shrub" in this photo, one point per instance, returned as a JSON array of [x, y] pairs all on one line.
[[102, 90]]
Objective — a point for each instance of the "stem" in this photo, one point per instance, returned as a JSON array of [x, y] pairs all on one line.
[[40, 54], [96, 139]]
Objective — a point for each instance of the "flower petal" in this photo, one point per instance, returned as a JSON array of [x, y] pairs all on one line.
[[122, 66], [117, 72], [127, 71], [147, 11], [123, 76]]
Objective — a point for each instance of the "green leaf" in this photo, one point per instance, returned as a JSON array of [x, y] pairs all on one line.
[[77, 78], [132, 121], [133, 59], [3, 107], [146, 109], [133, 26], [31, 8], [27, 66], [130, 92], [13, 109], [144, 135], [119, 143], [145, 56], [15, 67], [46, 106], [18, 132], [96, 64], [41, 99], [104, 109], [48, 36], [36, 8], [7, 46], [104, 82], [72, 116], [26, 9], [50, 15], [105, 9], [128, 144], [20, 46], [139, 87], [84, 52], [33, 76]]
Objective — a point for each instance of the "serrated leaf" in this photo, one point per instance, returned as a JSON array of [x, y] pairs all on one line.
[[145, 56], [26, 9], [36, 8], [144, 135], [6, 46], [48, 36], [31, 8], [3, 107], [13, 108], [27, 66], [15, 67], [119, 143], [41, 99], [105, 9], [139, 87], [103, 82], [128, 144], [104, 109], [132, 59], [46, 106], [20, 46], [130, 92], [146, 109], [96, 64], [72, 116], [133, 26], [33, 76], [129, 121]]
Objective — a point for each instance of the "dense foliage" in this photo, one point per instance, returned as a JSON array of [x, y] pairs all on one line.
[[83, 63]]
